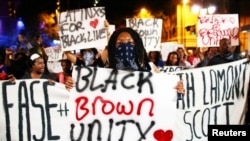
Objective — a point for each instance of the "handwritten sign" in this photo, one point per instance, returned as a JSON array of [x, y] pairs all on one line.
[[124, 105], [212, 28], [215, 95], [120, 105], [82, 28], [33, 110], [149, 30], [54, 55], [167, 69]]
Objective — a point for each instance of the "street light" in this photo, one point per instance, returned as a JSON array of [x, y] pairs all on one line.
[[144, 13], [202, 10]]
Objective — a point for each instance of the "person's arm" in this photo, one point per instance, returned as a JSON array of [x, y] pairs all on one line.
[[71, 57], [8, 53]]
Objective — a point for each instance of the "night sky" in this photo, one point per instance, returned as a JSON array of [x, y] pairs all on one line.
[[115, 9]]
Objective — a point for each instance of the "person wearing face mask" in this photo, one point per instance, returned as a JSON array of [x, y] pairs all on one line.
[[90, 57], [125, 51]]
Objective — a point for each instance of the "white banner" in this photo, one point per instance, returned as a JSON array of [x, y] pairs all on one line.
[[118, 105]]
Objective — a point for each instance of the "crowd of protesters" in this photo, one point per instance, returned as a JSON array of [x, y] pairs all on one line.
[[29, 59]]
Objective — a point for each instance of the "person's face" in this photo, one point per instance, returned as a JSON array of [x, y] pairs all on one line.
[[225, 47], [124, 37], [39, 66], [153, 54], [64, 66], [173, 59], [180, 52], [212, 52]]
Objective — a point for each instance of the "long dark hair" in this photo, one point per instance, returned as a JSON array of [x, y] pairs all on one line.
[[168, 62], [142, 59]]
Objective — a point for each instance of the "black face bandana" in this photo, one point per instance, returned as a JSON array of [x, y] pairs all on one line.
[[125, 57]]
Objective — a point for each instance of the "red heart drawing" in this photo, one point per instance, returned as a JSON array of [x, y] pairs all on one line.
[[160, 135], [94, 23]]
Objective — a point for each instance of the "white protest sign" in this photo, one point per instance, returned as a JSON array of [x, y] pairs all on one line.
[[149, 30], [212, 28], [123, 105], [167, 47], [54, 55], [82, 28]]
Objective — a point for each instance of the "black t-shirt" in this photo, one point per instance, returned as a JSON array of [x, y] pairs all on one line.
[[44, 76], [218, 59]]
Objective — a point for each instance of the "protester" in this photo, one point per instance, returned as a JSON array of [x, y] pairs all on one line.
[[208, 55], [195, 58], [23, 42], [37, 46], [90, 57], [156, 58], [16, 63], [173, 59], [125, 51], [183, 57], [66, 70], [226, 53], [3, 68], [37, 69]]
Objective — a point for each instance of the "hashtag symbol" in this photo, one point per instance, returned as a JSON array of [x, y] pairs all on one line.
[[63, 109]]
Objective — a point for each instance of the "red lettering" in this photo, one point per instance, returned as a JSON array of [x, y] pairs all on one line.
[[108, 107], [82, 107]]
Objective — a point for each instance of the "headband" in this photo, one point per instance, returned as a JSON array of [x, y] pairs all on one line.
[[34, 56]]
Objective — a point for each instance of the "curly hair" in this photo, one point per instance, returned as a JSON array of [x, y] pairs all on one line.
[[142, 59]]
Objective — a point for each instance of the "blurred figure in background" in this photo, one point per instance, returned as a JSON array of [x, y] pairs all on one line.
[[183, 57], [173, 59], [155, 57], [195, 58], [3, 68], [23, 42], [90, 57], [66, 70], [16, 63], [37, 46], [208, 55]]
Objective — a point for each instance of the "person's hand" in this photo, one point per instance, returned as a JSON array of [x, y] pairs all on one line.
[[180, 87], [8, 51], [11, 78], [51, 81], [69, 82]]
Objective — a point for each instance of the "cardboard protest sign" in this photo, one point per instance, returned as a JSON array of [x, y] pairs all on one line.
[[82, 28], [212, 28], [150, 31]]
